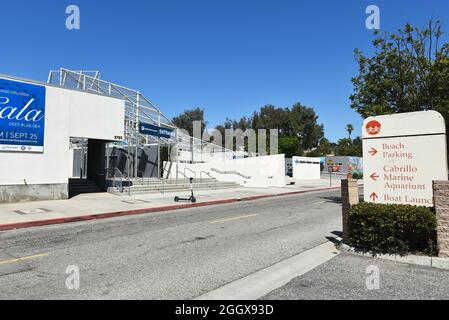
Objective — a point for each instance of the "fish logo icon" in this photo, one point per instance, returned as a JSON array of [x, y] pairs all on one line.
[[373, 127]]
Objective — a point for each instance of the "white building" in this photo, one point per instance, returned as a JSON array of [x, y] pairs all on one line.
[[77, 133], [37, 121]]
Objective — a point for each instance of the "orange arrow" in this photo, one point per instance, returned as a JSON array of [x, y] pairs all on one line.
[[374, 176], [374, 196], [372, 152]]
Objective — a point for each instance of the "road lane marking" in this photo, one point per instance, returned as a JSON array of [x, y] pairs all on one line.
[[36, 256], [319, 202], [233, 219]]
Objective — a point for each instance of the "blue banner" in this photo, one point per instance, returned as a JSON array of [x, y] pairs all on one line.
[[155, 131], [22, 116]]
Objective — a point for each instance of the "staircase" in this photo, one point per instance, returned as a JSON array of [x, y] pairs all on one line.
[[153, 186], [81, 186]]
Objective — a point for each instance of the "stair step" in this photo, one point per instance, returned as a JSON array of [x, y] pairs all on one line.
[[84, 186], [77, 187]]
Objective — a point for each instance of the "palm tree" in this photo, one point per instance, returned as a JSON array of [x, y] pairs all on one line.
[[350, 129]]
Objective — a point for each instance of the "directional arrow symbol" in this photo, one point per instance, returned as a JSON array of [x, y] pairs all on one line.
[[374, 196], [372, 152], [374, 176]]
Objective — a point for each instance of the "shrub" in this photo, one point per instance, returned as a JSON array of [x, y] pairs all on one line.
[[357, 175], [392, 229]]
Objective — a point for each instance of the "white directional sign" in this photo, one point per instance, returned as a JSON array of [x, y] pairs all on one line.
[[403, 154]]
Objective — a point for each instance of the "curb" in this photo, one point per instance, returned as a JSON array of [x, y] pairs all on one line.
[[432, 262], [101, 216]]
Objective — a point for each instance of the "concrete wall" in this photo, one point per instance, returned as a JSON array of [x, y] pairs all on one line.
[[344, 164], [264, 171], [210, 154], [306, 168], [22, 193]]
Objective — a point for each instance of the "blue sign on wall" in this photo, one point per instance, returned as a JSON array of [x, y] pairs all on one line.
[[155, 131], [22, 116]]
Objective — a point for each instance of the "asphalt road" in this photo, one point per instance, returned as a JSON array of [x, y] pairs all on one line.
[[173, 255], [345, 277]]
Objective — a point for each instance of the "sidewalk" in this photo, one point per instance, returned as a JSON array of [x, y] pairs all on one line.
[[350, 277], [104, 205]]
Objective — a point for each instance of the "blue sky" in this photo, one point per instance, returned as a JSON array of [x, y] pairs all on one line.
[[228, 56]]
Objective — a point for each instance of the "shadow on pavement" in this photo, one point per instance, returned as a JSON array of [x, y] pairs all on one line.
[[332, 199]]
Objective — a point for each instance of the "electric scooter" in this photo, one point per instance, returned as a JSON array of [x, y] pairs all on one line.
[[192, 197]]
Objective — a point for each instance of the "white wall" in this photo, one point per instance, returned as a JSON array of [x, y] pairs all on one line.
[[264, 171], [53, 166], [96, 117], [306, 168], [206, 155]]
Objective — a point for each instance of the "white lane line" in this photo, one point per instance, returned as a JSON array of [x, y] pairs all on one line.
[[36, 256], [261, 283], [233, 218]]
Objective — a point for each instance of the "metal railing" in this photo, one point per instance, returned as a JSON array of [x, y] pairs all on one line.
[[209, 175], [142, 179], [146, 181], [185, 177], [231, 172], [117, 177], [188, 169]]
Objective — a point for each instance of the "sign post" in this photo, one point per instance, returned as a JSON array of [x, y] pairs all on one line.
[[330, 169], [403, 154]]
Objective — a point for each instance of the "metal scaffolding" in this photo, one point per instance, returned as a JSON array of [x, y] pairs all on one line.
[[138, 109]]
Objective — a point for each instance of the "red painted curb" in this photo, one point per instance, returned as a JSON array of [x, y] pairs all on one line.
[[100, 216]]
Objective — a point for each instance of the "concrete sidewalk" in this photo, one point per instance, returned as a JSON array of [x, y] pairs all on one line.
[[104, 205], [346, 277]]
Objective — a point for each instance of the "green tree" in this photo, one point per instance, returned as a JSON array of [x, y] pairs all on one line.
[[349, 129], [325, 147], [304, 123], [409, 71], [349, 147], [290, 146], [186, 119], [299, 121], [271, 117], [244, 123]]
